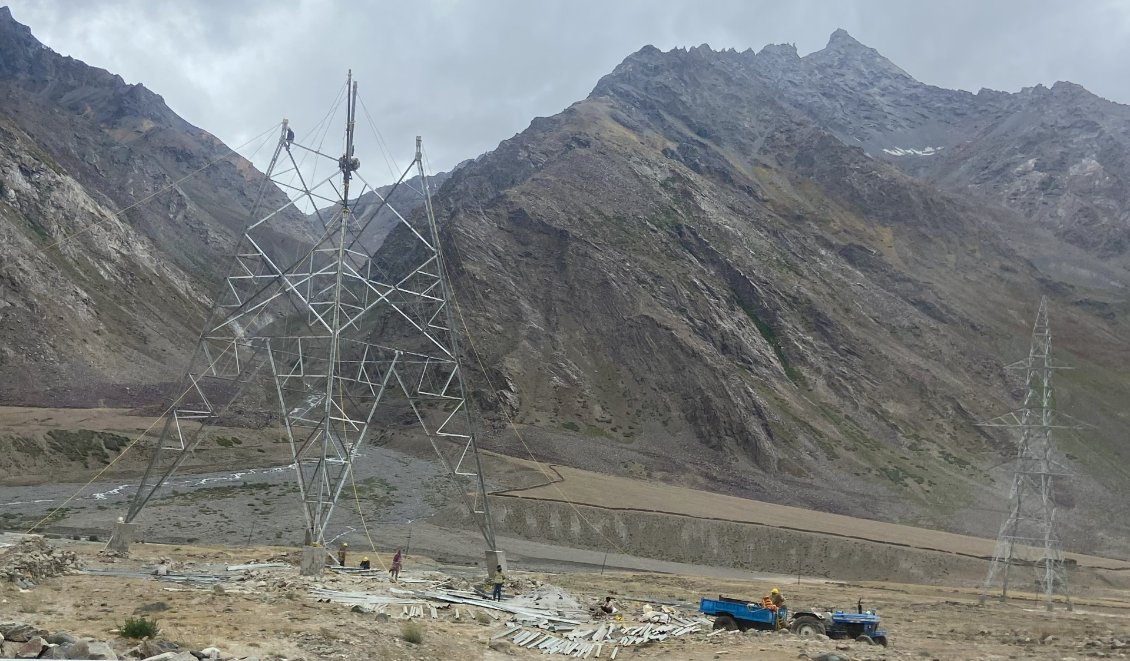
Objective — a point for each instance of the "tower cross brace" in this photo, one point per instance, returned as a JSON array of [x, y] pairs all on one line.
[[339, 339], [1028, 536]]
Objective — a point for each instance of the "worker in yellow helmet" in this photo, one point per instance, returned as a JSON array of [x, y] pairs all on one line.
[[365, 563], [776, 598], [341, 553]]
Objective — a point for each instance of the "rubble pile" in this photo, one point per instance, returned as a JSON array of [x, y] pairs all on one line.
[[546, 595], [32, 559], [24, 641]]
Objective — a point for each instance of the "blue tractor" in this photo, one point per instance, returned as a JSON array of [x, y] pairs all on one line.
[[861, 625], [741, 615]]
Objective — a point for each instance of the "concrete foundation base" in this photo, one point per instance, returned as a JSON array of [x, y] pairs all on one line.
[[313, 560], [493, 559], [121, 536]]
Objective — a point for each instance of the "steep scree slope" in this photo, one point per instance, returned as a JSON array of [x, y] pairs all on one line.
[[687, 277], [97, 307]]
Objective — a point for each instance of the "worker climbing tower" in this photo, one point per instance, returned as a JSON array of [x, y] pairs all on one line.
[[1028, 539], [332, 339]]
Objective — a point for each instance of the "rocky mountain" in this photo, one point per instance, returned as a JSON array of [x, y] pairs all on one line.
[[401, 200], [1064, 142], [792, 278], [110, 248], [779, 277]]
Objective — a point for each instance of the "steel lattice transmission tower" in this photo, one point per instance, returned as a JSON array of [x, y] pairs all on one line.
[[337, 338], [1028, 537]]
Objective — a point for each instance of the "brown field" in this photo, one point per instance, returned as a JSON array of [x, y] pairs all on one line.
[[923, 582], [272, 614], [623, 494]]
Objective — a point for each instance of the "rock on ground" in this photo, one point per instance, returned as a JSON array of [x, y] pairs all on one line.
[[30, 560]]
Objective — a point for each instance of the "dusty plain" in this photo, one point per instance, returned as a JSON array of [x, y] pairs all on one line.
[[270, 613], [595, 535]]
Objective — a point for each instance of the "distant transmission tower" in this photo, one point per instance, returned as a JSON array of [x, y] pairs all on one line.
[[338, 339], [1028, 537]]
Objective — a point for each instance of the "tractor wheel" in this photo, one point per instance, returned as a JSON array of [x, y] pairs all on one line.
[[882, 640], [808, 626], [725, 622], [864, 638]]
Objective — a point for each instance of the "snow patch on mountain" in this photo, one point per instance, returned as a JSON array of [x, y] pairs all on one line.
[[910, 151]]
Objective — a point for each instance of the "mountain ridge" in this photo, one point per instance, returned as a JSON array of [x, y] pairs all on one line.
[[83, 142], [684, 171], [710, 272]]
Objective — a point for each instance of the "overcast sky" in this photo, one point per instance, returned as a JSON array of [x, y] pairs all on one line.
[[468, 74]]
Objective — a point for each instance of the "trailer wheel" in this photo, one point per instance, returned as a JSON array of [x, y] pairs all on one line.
[[808, 626], [725, 622]]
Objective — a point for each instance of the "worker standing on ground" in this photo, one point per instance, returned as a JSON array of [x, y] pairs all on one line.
[[394, 570], [341, 553], [499, 579]]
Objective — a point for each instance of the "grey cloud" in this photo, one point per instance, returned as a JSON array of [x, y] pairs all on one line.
[[469, 74]]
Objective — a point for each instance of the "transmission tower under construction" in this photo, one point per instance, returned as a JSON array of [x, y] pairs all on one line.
[[1028, 539], [332, 335]]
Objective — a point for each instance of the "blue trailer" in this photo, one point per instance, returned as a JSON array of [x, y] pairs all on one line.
[[742, 614]]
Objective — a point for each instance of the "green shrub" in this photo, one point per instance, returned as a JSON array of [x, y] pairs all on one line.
[[412, 632], [140, 627]]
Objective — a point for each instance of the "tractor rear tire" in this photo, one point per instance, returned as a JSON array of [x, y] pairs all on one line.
[[725, 622], [808, 626]]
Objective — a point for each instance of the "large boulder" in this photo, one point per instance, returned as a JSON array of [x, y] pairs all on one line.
[[60, 638], [8, 649], [151, 648], [18, 632], [75, 650], [101, 651], [31, 649]]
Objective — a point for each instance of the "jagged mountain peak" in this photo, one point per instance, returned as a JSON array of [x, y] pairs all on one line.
[[779, 51], [17, 44], [6, 18], [71, 84], [845, 52], [841, 38]]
